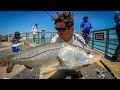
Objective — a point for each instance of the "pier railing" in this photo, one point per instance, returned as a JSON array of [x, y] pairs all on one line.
[[28, 35], [107, 45]]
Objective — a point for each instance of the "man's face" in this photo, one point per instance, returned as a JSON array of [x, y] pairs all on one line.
[[85, 19], [63, 31]]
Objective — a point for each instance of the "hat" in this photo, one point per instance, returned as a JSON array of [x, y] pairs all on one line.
[[43, 29], [36, 24], [85, 17]]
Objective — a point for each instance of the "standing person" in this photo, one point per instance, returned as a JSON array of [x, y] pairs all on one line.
[[85, 27], [43, 35], [64, 25], [117, 21], [35, 32]]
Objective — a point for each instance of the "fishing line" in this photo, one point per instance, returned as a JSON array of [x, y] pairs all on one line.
[[48, 14]]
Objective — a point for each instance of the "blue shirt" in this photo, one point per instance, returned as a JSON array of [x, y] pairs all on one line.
[[42, 34], [117, 19], [85, 27]]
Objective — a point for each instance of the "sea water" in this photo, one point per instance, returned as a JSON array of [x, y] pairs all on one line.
[[96, 43]]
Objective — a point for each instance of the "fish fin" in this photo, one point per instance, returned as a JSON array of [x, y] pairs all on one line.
[[27, 66], [10, 67], [62, 63]]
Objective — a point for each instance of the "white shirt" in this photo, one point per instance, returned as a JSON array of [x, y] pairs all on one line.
[[76, 40], [34, 30]]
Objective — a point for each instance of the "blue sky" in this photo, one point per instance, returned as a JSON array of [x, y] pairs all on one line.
[[22, 21]]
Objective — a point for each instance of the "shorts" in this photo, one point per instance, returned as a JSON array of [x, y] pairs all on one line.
[[86, 36], [43, 37]]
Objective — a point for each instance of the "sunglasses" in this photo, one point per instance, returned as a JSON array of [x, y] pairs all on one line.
[[60, 29]]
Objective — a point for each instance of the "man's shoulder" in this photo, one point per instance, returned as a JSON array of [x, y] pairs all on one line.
[[77, 35], [55, 38]]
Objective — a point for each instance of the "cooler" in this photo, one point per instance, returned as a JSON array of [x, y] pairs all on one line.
[[16, 48]]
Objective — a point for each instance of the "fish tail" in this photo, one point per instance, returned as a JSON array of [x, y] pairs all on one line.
[[10, 67]]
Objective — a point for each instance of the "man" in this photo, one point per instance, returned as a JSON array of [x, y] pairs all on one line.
[[64, 25], [43, 35], [117, 21], [17, 36], [85, 29], [35, 31]]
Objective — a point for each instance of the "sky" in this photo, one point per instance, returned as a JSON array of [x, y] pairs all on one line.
[[22, 21]]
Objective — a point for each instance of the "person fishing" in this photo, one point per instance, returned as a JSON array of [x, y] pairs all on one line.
[[117, 21]]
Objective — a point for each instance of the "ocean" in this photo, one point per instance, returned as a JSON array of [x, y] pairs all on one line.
[[97, 44], [101, 46]]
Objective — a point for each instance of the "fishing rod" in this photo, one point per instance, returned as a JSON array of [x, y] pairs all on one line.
[[57, 13], [48, 14]]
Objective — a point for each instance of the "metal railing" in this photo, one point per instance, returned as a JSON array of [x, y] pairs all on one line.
[[28, 35], [105, 46]]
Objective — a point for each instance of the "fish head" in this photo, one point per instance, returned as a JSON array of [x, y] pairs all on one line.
[[87, 56], [74, 56]]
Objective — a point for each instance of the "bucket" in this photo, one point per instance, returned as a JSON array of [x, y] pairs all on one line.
[[15, 48]]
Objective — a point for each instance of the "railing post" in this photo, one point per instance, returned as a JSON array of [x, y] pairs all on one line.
[[26, 36], [92, 40], [38, 37], [107, 42], [51, 34]]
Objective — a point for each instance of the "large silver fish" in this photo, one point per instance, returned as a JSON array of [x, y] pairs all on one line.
[[69, 56]]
